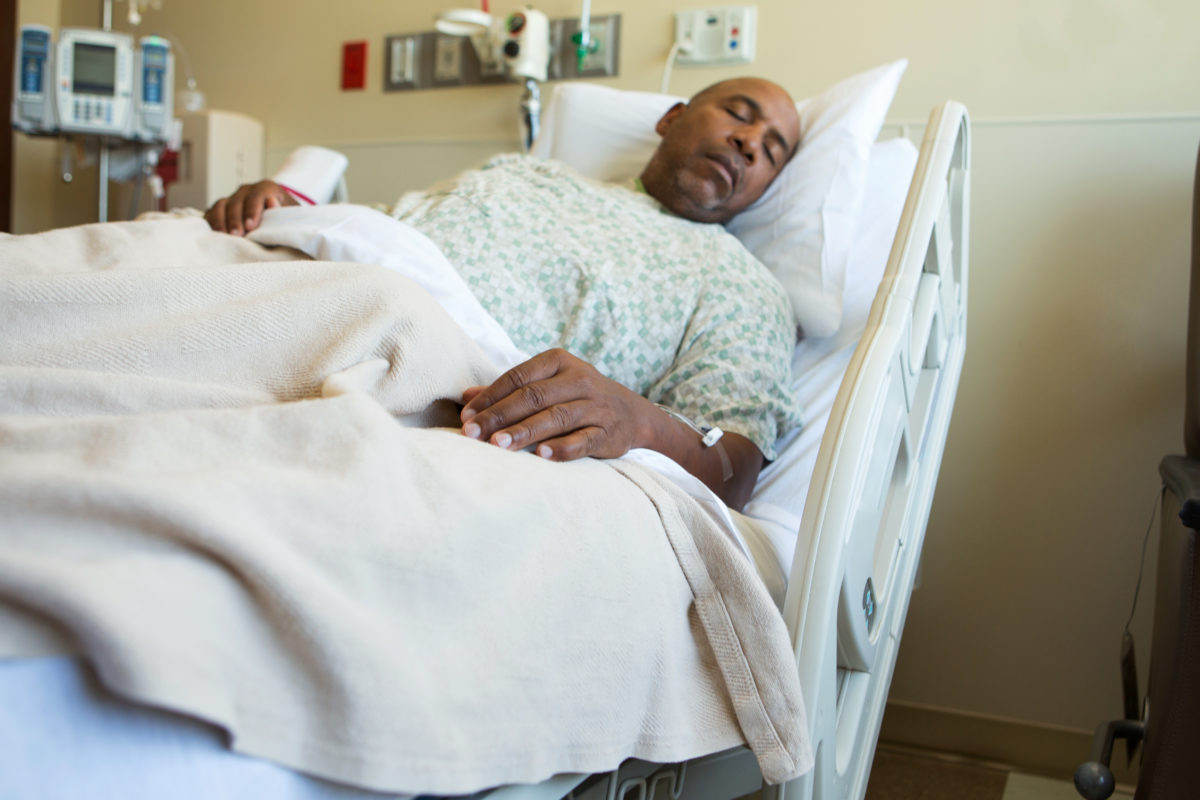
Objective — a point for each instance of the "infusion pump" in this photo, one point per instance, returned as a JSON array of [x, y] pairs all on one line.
[[93, 82]]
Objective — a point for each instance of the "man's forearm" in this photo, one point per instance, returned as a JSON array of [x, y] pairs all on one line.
[[729, 467]]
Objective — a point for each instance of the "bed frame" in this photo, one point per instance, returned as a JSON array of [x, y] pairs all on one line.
[[864, 521], [860, 538]]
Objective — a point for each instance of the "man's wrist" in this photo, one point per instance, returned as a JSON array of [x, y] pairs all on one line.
[[300, 198], [709, 434]]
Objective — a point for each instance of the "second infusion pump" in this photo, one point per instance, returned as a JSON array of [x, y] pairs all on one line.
[[93, 82]]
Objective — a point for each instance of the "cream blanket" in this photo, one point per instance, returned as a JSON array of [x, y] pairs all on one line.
[[219, 483]]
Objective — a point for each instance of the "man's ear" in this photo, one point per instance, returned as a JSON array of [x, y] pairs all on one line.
[[664, 122]]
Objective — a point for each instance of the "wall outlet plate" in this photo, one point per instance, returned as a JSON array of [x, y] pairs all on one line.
[[719, 35], [448, 59], [401, 69]]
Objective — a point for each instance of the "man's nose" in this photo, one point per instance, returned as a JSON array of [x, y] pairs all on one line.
[[748, 139]]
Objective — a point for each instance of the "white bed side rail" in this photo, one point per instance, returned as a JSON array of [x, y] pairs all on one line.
[[868, 503]]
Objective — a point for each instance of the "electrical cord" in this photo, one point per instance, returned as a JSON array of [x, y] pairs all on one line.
[[680, 46], [1142, 563]]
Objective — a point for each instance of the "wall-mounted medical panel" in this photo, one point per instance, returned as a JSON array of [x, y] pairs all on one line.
[[434, 60], [715, 36]]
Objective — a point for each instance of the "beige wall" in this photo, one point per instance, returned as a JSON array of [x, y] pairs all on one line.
[[1072, 392], [1088, 118]]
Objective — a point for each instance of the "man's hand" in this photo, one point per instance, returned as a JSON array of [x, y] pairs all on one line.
[[241, 212], [560, 403], [566, 409]]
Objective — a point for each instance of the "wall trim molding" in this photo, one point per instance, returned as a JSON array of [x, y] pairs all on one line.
[[513, 144], [501, 145], [1169, 117], [1020, 745]]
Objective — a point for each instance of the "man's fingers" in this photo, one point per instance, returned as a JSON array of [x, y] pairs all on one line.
[[470, 393], [215, 216], [539, 368], [256, 201], [242, 211], [555, 421], [233, 213], [518, 408], [590, 441]]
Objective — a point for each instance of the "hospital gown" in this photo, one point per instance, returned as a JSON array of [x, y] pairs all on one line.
[[676, 310]]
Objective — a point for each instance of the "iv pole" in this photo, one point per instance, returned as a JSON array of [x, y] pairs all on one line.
[[105, 25]]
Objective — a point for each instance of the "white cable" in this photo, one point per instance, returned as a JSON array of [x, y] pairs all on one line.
[[585, 24], [190, 77], [680, 46]]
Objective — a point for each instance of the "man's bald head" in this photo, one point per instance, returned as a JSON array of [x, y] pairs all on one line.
[[721, 150]]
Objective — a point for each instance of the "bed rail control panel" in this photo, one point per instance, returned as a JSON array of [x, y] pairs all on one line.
[[32, 108]]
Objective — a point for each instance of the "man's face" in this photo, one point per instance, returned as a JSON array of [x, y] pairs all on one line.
[[720, 152]]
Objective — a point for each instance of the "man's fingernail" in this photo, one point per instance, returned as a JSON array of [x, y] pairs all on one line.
[[467, 413], [471, 430], [502, 440], [544, 451]]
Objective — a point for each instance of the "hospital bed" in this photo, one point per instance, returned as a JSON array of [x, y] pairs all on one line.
[[858, 551], [878, 392]]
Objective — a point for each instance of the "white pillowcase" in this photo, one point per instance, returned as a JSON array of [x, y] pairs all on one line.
[[802, 228], [819, 365], [607, 134]]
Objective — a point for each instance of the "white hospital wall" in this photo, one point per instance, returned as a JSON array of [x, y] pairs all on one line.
[[1088, 119]]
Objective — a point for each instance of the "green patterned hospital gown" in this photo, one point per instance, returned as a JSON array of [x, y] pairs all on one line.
[[677, 311]]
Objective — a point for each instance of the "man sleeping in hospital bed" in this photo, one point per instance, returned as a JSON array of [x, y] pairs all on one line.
[[651, 331], [219, 494]]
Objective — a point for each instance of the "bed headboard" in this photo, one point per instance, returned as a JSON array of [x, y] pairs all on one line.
[[868, 504]]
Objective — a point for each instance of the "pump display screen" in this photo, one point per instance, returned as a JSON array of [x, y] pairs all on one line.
[[95, 69]]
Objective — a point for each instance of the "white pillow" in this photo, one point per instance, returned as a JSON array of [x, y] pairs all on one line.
[[607, 134], [802, 228], [819, 364]]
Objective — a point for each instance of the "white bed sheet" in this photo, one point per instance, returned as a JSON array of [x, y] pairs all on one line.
[[777, 505], [71, 738]]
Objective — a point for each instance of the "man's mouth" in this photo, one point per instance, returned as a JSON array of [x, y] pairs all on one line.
[[725, 165]]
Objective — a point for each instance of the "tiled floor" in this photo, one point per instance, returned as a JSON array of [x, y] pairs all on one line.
[[1032, 787], [905, 775]]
